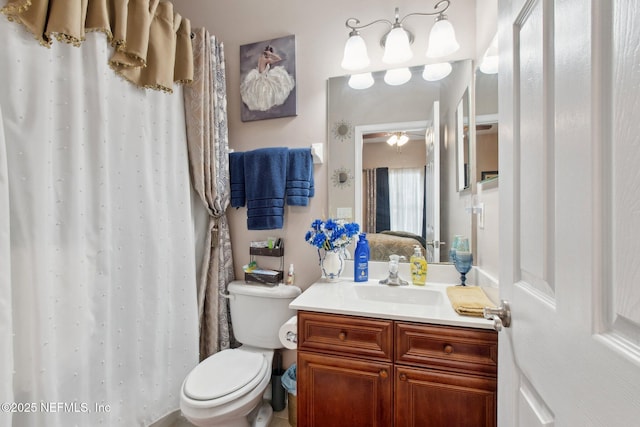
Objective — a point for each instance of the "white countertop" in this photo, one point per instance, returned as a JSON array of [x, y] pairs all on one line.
[[422, 304]]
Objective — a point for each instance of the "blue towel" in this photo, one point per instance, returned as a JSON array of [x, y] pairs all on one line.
[[299, 177], [236, 173], [265, 174], [265, 203]]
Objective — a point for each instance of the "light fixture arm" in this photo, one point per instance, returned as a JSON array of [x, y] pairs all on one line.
[[354, 23], [440, 13]]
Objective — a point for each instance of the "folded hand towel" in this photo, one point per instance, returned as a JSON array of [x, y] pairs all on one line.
[[265, 174], [468, 300], [265, 203], [299, 175], [297, 197], [236, 174], [265, 212], [265, 222], [298, 184]]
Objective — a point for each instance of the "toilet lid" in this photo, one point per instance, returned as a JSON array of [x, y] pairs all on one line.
[[223, 373]]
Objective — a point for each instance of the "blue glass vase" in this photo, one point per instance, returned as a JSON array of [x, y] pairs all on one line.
[[463, 261]]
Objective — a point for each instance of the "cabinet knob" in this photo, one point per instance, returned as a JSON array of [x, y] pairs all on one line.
[[403, 377], [383, 373], [448, 349], [342, 336]]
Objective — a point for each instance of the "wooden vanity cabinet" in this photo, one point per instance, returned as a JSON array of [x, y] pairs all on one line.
[[356, 371], [345, 371], [445, 376]]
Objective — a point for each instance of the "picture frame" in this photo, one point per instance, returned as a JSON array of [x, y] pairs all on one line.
[[268, 86]]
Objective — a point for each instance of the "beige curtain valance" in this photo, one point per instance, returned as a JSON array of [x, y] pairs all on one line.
[[152, 43]]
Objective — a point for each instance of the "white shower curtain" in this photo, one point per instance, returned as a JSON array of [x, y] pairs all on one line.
[[98, 314]]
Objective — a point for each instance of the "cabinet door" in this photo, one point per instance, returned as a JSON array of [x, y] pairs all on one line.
[[339, 392], [429, 398]]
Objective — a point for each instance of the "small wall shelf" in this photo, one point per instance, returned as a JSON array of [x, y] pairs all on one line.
[[266, 279]]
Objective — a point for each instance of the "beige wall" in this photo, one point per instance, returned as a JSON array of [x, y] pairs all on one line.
[[320, 36], [379, 154], [487, 153]]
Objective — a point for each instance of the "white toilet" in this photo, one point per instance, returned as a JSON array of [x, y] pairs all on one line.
[[227, 388]]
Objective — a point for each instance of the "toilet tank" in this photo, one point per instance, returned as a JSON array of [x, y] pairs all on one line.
[[258, 311]]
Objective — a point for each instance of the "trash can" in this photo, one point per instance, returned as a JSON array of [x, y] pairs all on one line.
[[277, 393], [289, 384]]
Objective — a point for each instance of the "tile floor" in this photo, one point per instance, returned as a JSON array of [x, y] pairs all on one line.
[[280, 419]]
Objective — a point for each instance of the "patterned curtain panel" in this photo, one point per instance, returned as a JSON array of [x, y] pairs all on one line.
[[369, 202], [207, 140], [152, 44], [383, 213]]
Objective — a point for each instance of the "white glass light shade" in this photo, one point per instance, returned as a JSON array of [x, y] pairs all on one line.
[[435, 72], [442, 39], [397, 76], [489, 64], [361, 81], [398, 138], [402, 140], [397, 48], [355, 53]]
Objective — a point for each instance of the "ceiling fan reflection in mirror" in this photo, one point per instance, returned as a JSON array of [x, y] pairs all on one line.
[[397, 138]]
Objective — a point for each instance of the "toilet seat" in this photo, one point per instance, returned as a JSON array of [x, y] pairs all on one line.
[[225, 376]]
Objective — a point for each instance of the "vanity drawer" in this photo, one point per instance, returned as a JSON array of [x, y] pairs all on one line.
[[446, 347], [345, 335]]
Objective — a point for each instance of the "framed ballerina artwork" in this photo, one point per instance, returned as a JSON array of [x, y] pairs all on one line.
[[268, 79]]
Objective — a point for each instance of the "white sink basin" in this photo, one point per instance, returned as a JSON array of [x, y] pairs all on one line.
[[399, 295], [422, 304]]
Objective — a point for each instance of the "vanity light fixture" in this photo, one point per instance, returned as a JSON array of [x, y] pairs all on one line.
[[398, 138], [397, 76], [397, 41], [489, 64], [435, 72], [361, 81]]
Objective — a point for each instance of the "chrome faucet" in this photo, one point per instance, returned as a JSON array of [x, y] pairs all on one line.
[[394, 278]]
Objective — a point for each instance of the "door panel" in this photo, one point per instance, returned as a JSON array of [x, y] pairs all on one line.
[[623, 210], [532, 410], [535, 145], [331, 387], [569, 211], [426, 397]]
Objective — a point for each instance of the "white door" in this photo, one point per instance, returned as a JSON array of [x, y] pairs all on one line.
[[570, 212], [432, 186]]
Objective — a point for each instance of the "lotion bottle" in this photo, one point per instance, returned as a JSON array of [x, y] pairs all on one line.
[[361, 260], [418, 265], [290, 276]]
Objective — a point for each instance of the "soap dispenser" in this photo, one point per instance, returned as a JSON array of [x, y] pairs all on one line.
[[418, 265]]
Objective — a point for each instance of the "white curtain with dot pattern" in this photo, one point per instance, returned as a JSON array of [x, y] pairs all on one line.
[[98, 314]]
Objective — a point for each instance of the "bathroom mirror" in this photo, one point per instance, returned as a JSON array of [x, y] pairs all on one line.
[[383, 109], [463, 142], [486, 103]]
